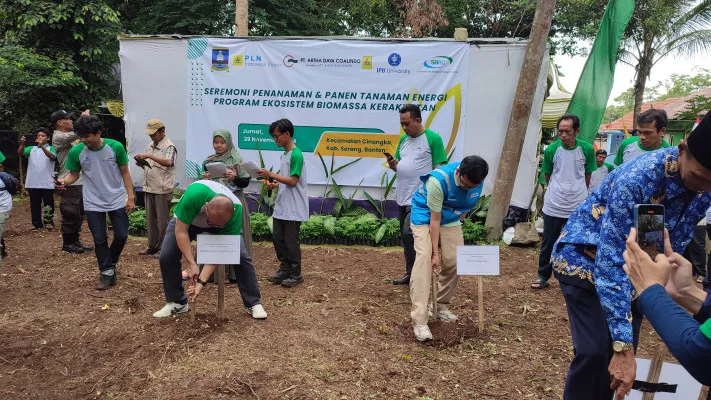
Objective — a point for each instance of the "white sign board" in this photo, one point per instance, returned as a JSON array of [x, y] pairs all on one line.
[[218, 249], [477, 260], [673, 374]]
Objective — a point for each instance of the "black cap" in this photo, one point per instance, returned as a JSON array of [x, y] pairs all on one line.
[[699, 142], [61, 114]]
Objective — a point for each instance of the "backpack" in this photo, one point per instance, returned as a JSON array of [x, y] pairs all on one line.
[[11, 183]]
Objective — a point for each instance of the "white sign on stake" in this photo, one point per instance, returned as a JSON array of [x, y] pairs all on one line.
[[218, 249], [673, 374], [477, 260]]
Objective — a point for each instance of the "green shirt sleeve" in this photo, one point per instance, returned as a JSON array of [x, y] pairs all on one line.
[[2, 157], [234, 225], [621, 150], [27, 151], [665, 144], [590, 162], [73, 163], [399, 144], [609, 167], [439, 154], [296, 162], [52, 150], [119, 150], [435, 195], [194, 198], [547, 167]]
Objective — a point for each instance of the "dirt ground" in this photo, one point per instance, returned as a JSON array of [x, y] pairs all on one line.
[[344, 334]]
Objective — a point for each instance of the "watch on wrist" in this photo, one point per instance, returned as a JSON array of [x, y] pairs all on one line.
[[200, 281], [619, 347]]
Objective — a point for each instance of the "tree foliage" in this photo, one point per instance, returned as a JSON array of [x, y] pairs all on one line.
[[63, 53], [183, 17]]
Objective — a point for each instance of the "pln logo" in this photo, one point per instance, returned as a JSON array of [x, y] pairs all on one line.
[[245, 59], [394, 59], [367, 62], [220, 59], [238, 60], [438, 62]]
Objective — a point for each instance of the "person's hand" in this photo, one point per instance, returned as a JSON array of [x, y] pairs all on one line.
[[143, 156], [40, 141], [681, 282], [265, 173], [393, 162], [206, 175], [641, 269], [59, 184], [271, 185], [86, 113], [193, 271], [194, 291], [622, 369], [435, 260], [230, 174], [130, 205], [23, 140]]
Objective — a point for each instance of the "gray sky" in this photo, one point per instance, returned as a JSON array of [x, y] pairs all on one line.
[[571, 67]]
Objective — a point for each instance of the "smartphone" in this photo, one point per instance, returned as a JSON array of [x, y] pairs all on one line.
[[388, 155], [649, 222], [30, 140]]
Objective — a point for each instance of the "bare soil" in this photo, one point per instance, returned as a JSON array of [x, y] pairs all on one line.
[[344, 334]]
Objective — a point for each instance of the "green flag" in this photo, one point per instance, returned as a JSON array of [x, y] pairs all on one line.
[[593, 90]]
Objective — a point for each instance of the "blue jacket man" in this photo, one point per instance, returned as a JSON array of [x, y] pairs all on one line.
[[438, 207]]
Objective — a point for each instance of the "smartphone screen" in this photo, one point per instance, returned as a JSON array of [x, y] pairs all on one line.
[[649, 222]]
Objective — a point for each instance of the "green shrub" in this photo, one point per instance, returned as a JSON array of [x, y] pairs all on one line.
[[313, 227], [389, 229], [137, 219], [259, 224], [474, 231]]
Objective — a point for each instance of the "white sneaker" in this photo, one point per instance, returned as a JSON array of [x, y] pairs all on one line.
[[446, 316], [171, 309], [257, 312], [422, 332]]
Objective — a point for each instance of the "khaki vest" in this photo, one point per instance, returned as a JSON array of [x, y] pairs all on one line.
[[159, 179]]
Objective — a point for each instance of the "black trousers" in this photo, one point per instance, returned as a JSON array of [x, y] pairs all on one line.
[[707, 279], [71, 206], [170, 257], [588, 378], [37, 197], [408, 240], [552, 226], [285, 237]]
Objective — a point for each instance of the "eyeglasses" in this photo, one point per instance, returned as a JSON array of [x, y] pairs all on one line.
[[275, 137]]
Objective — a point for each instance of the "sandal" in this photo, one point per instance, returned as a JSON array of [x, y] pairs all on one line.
[[540, 284]]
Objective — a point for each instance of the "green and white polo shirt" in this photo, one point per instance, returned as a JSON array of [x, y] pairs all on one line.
[[567, 168], [191, 207], [630, 149], [103, 183], [416, 157]]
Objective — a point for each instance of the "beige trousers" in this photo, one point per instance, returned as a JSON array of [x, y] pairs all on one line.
[[421, 278]]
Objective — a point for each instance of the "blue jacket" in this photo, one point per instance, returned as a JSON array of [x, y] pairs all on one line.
[[456, 201], [685, 337]]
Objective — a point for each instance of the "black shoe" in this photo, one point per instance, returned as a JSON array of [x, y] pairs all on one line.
[[106, 281], [278, 278], [72, 248], [292, 281], [148, 252], [405, 280], [86, 247]]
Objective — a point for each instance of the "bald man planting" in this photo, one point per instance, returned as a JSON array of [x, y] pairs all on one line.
[[206, 207]]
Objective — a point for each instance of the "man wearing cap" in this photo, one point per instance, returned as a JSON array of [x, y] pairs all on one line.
[[71, 205], [587, 258], [158, 163]]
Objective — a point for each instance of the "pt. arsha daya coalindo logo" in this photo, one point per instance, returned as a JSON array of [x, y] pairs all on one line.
[[438, 62]]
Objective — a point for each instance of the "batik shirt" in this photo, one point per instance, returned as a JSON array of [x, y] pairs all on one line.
[[600, 225]]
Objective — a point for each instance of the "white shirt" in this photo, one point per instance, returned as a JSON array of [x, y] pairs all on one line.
[[40, 169]]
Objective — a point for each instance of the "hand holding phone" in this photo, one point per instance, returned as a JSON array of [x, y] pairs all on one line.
[[388, 155], [649, 222]]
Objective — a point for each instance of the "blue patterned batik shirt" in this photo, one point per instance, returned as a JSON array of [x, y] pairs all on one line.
[[589, 251]]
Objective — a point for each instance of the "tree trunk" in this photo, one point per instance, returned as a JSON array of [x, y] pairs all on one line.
[[643, 69], [241, 17], [518, 122]]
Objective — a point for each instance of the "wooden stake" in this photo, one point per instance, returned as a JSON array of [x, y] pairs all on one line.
[[434, 296], [220, 290], [193, 311], [655, 369], [480, 295], [520, 114]]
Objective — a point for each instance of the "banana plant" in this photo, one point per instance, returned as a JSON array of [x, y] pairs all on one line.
[[387, 185], [329, 172]]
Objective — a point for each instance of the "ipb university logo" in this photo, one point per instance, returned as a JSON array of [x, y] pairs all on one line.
[[220, 59], [394, 59], [437, 62]]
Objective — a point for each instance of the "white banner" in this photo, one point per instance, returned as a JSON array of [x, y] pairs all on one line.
[[342, 96]]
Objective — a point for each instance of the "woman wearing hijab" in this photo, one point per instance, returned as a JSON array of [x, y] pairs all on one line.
[[235, 178]]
